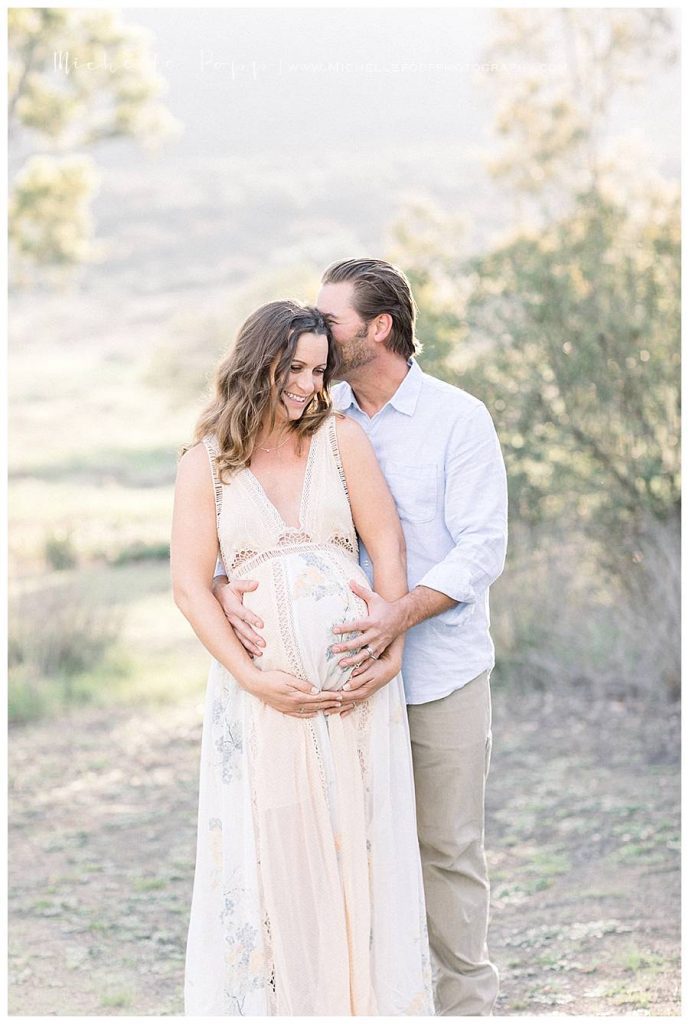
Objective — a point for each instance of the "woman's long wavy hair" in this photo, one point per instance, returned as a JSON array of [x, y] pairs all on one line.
[[242, 403]]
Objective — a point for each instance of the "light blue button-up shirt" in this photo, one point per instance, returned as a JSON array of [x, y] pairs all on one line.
[[441, 457]]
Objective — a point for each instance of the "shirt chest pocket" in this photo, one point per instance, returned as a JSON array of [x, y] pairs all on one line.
[[414, 488]]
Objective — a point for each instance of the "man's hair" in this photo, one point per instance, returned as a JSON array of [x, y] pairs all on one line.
[[380, 288]]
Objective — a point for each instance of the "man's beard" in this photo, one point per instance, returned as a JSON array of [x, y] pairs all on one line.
[[358, 354]]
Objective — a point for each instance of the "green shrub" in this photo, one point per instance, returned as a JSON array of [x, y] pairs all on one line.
[[140, 551], [56, 634], [60, 552]]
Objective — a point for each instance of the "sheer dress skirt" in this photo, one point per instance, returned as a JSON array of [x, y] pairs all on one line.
[[308, 894]]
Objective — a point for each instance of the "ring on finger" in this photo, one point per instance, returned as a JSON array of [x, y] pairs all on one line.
[[371, 652]]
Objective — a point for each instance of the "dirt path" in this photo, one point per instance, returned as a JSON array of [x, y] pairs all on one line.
[[582, 839]]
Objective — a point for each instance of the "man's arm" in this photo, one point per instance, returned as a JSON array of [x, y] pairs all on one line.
[[230, 597], [378, 525], [423, 603], [476, 517]]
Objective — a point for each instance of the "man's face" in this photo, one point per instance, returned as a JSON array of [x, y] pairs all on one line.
[[351, 334]]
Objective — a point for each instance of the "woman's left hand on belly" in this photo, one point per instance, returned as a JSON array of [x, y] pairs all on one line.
[[365, 681]]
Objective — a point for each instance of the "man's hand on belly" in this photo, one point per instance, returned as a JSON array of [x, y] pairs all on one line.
[[384, 623], [230, 595], [389, 619]]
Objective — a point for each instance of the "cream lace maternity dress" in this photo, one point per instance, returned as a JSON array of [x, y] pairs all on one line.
[[308, 894]]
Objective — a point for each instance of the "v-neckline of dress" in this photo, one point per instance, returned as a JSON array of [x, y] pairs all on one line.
[[277, 515]]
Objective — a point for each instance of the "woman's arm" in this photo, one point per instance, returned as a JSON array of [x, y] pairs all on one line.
[[375, 518], [193, 550]]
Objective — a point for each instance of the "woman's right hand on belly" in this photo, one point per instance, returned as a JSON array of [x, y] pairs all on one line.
[[291, 695]]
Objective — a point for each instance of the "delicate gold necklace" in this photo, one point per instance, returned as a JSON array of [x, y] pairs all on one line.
[[276, 446]]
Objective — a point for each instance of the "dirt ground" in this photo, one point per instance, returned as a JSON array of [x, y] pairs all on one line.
[[582, 839]]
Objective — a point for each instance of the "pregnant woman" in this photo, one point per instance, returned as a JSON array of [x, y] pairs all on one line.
[[308, 894]]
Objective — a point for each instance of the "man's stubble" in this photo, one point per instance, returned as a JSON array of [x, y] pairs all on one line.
[[356, 353]]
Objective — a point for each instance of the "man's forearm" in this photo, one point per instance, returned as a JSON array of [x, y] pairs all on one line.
[[422, 603], [218, 581]]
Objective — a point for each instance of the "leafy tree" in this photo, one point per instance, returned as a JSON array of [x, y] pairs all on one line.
[[583, 372], [77, 77], [568, 328], [435, 273], [553, 112]]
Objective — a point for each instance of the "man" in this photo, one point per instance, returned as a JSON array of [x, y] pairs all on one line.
[[441, 457]]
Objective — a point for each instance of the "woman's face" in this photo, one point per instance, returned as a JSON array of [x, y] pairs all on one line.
[[305, 376]]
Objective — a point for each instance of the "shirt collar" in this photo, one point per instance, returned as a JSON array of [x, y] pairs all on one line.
[[404, 399]]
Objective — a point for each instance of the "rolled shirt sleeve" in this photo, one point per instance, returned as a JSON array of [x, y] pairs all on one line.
[[475, 508]]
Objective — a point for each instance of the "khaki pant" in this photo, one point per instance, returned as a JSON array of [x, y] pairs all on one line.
[[451, 745]]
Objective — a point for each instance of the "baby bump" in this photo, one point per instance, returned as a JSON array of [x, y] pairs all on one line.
[[300, 597]]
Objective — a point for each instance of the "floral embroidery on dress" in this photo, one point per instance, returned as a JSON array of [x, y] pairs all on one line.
[[229, 741], [315, 582], [340, 621], [244, 955]]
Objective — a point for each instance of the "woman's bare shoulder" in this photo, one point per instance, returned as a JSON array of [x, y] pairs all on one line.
[[348, 430], [193, 463], [353, 440]]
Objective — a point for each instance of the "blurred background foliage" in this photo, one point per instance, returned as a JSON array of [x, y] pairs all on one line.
[[563, 318], [76, 77]]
